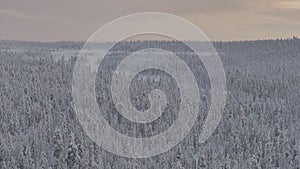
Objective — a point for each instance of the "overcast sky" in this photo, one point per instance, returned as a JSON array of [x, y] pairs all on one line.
[[55, 20]]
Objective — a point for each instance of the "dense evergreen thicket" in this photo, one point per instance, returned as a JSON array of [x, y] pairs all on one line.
[[259, 128]]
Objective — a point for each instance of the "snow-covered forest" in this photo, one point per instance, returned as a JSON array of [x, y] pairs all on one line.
[[260, 126]]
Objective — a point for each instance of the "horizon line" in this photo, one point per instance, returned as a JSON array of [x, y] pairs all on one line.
[[137, 40]]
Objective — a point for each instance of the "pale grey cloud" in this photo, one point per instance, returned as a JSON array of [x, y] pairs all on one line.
[[21, 15]]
